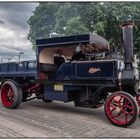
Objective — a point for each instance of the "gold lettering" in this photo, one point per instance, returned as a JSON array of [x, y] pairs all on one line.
[[93, 70]]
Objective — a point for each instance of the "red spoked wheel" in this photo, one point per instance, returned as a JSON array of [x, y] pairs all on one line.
[[138, 101], [121, 109], [11, 95]]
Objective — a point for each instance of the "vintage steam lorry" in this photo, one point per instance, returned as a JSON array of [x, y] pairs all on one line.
[[95, 77]]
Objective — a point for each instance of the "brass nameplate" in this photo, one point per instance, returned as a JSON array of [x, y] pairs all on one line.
[[59, 87]]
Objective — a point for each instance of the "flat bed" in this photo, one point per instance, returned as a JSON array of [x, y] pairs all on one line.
[[24, 69]]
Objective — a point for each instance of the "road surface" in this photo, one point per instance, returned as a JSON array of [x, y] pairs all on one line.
[[37, 119]]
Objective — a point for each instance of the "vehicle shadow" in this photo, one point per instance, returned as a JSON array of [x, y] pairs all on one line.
[[69, 108]]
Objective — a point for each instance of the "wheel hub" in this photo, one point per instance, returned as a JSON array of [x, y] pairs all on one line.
[[118, 109], [9, 96]]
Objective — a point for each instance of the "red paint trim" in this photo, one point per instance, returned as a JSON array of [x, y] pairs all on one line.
[[33, 88], [42, 75]]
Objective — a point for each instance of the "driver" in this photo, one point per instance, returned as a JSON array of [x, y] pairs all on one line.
[[78, 55], [59, 59]]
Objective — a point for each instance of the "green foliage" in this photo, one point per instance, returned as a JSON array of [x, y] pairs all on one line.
[[85, 17], [74, 26], [43, 21]]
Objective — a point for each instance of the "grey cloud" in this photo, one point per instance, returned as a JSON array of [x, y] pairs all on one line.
[[6, 52], [10, 47], [17, 6], [1, 22], [14, 29], [17, 13]]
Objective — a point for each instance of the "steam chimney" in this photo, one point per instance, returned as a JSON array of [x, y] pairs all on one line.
[[127, 31]]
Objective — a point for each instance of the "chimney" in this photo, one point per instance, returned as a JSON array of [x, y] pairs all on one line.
[[127, 31]]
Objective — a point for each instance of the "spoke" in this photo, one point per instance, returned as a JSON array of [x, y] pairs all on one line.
[[112, 105], [8, 94], [120, 100], [130, 113], [7, 99], [116, 116], [130, 107], [12, 98], [126, 103], [115, 100], [111, 111], [11, 93], [125, 106], [127, 113]]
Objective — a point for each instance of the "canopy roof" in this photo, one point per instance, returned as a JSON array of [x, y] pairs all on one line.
[[92, 40]]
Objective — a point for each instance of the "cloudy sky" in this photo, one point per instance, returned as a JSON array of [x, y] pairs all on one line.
[[14, 30]]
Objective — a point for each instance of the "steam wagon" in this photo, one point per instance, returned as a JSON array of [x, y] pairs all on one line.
[[81, 69]]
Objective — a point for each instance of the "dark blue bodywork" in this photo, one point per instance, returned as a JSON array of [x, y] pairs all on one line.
[[19, 69], [64, 95], [80, 70]]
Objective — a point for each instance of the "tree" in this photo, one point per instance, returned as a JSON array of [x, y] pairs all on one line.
[[105, 18], [42, 22], [74, 26], [77, 18]]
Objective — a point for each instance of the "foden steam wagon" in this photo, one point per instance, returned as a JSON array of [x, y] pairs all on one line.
[[81, 69]]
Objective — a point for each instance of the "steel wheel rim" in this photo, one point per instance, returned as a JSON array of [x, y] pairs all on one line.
[[138, 101], [120, 109], [7, 95]]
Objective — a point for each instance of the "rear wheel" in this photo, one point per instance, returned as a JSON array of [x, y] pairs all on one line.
[[20, 94], [121, 109], [11, 95]]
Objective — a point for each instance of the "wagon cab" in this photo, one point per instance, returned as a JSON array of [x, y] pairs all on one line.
[[95, 64]]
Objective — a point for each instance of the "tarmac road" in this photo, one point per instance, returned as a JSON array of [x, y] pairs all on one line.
[[37, 119]]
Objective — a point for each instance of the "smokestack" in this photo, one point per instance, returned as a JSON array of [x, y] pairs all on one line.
[[127, 31]]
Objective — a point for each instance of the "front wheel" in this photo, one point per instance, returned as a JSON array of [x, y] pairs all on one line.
[[138, 101], [11, 95], [121, 109]]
